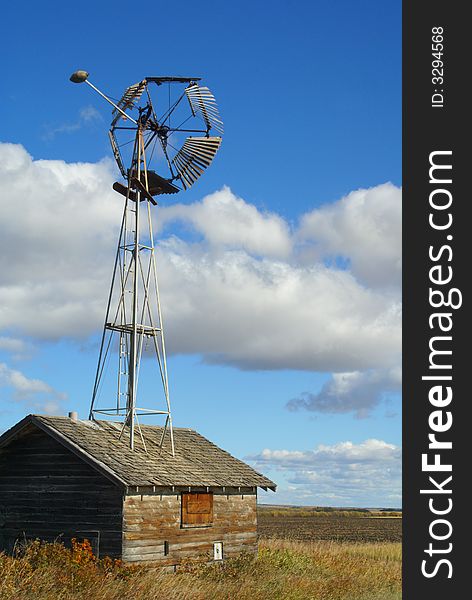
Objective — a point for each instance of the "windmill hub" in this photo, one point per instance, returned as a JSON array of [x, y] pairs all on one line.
[[162, 130]]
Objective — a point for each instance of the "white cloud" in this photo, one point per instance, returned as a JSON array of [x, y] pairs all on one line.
[[365, 228], [87, 114], [343, 474], [228, 221], [268, 314], [58, 225], [357, 392], [244, 294], [33, 392], [18, 346], [369, 451]]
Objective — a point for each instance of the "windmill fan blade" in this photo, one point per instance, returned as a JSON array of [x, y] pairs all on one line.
[[194, 157], [116, 153], [130, 96], [203, 102]]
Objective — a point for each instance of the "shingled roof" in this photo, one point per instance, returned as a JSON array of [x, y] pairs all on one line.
[[197, 461]]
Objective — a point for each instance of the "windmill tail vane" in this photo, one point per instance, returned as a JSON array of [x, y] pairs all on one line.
[[162, 142]]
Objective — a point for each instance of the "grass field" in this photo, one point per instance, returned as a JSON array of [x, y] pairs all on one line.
[[285, 569]]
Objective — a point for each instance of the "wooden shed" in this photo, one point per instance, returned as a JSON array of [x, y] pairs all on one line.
[[62, 478]]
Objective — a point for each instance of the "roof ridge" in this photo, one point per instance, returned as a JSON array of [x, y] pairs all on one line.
[[66, 418]]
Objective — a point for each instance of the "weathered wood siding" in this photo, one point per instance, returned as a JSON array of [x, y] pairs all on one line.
[[150, 520], [46, 491]]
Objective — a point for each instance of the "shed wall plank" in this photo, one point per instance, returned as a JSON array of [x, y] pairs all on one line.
[[150, 520], [48, 492]]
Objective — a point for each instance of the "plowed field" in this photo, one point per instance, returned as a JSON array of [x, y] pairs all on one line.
[[338, 529]]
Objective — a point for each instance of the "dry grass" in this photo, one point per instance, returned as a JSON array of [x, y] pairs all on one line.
[[283, 570]]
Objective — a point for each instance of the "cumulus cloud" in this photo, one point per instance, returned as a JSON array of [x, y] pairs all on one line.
[[59, 224], [267, 314], [32, 392], [242, 294], [357, 392], [364, 227], [228, 221], [343, 474]]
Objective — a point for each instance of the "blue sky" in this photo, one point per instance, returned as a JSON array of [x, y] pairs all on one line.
[[310, 164]]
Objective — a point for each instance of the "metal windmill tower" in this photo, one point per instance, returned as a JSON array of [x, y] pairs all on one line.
[[144, 138]]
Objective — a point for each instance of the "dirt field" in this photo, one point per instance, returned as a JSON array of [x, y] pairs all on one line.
[[333, 528]]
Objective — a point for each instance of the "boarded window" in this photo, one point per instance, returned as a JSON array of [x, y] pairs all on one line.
[[197, 509]]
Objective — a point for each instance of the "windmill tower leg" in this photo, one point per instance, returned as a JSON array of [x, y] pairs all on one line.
[[133, 358]]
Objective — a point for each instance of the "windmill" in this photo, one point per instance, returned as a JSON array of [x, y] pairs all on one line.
[[160, 135]]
